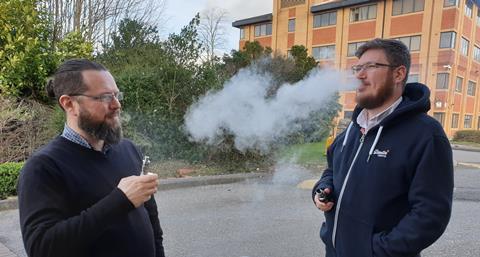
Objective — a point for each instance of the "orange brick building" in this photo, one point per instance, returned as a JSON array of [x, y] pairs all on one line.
[[443, 37]]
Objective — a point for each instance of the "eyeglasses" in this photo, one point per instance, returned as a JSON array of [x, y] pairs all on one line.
[[105, 98], [370, 65]]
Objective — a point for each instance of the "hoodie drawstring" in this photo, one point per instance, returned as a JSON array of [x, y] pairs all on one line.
[[346, 135], [375, 143]]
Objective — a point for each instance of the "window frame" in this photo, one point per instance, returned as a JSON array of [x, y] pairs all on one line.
[[357, 45], [458, 87], [318, 18], [446, 79], [291, 28], [329, 50], [440, 118], [262, 30], [465, 121], [464, 46], [471, 88], [415, 6], [455, 120], [450, 5], [452, 40], [410, 39], [371, 13]]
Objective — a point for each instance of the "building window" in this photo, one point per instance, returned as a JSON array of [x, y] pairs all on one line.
[[348, 115], [442, 80], [440, 117], [413, 43], [263, 30], [368, 12], [454, 120], [413, 78], [471, 88], [325, 19], [448, 3], [242, 33], [478, 16], [407, 6], [291, 25], [323, 52], [353, 47], [464, 46], [468, 8], [447, 39], [476, 53], [458, 84], [467, 121]]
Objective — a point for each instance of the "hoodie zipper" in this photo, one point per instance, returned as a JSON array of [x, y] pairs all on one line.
[[337, 210]]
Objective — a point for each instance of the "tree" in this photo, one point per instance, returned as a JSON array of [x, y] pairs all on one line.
[[212, 31], [97, 20], [26, 56]]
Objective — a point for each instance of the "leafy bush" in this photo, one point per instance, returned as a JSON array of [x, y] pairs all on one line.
[[467, 136], [9, 173]]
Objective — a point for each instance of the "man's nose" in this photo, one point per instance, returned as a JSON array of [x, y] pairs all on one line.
[[115, 104]]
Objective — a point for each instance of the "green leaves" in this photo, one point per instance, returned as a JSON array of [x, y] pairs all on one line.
[[9, 173], [27, 56]]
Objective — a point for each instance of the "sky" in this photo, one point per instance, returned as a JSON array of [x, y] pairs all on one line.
[[178, 13]]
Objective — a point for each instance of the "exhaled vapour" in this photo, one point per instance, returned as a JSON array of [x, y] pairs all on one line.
[[242, 109]]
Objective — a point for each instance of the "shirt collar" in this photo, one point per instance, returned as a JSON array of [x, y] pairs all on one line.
[[368, 123], [71, 135]]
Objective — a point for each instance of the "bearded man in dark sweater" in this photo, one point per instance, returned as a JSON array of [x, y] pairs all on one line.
[[83, 194]]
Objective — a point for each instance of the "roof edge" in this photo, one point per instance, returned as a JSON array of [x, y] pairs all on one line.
[[252, 20], [338, 5]]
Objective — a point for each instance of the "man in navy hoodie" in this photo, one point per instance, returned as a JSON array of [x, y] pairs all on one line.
[[82, 194], [389, 179]]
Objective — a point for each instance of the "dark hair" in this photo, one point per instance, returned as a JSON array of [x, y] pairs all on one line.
[[397, 52], [68, 79]]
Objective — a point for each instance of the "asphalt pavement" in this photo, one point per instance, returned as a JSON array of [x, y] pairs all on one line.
[[268, 217]]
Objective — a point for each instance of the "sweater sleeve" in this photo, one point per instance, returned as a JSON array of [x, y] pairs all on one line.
[[46, 227], [430, 200], [151, 207]]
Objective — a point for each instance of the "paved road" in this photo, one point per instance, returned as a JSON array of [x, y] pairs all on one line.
[[261, 218], [466, 156]]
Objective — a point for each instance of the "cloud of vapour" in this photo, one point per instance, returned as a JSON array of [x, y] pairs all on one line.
[[242, 109]]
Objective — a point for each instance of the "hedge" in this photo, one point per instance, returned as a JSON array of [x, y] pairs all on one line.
[[467, 136], [9, 172]]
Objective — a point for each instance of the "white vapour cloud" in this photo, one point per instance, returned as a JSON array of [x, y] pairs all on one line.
[[242, 110]]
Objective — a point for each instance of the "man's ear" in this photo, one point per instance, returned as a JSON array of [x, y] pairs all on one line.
[[67, 104], [400, 74]]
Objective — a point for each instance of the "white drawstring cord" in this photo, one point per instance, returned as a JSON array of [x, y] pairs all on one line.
[[375, 142], [346, 135]]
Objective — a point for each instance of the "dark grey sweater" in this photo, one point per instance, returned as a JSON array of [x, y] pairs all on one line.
[[70, 204]]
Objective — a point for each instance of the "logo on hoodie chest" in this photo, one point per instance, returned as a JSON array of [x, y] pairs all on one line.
[[382, 154]]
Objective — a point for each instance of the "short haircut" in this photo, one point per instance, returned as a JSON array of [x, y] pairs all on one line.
[[68, 79], [396, 52]]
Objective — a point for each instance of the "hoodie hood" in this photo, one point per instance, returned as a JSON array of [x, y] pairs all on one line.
[[416, 99]]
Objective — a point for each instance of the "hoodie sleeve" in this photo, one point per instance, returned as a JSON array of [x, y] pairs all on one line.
[[47, 229], [430, 201], [326, 181]]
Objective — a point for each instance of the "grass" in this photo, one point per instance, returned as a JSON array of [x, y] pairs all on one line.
[[310, 155], [465, 143]]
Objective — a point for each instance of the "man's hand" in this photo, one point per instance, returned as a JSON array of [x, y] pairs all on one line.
[[139, 189], [321, 205]]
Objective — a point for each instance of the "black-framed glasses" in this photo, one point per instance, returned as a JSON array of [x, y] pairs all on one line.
[[370, 65], [105, 98]]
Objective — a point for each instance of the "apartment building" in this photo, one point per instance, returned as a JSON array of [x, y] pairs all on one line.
[[443, 37]]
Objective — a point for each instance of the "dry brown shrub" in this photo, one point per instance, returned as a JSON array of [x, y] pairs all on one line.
[[24, 126]]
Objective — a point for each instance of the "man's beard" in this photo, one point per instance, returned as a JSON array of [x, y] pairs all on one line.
[[374, 101], [110, 134]]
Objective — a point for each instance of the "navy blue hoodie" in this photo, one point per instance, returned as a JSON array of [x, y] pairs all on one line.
[[392, 187]]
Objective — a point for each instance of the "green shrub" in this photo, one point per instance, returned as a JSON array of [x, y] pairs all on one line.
[[467, 136], [9, 172]]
